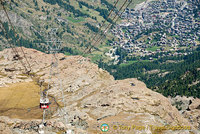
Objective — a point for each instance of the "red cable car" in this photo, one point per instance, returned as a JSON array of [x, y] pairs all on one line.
[[44, 103]]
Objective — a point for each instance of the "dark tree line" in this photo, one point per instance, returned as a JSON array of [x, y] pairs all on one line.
[[68, 7], [179, 78], [110, 6], [102, 12], [35, 44], [91, 27]]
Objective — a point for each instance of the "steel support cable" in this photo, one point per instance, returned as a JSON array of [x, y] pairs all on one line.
[[56, 62], [50, 75], [45, 95], [54, 57], [63, 112], [4, 31], [110, 24], [2, 3], [104, 22], [16, 53], [13, 31], [22, 50], [124, 10], [115, 22], [13, 49], [51, 69], [107, 28]]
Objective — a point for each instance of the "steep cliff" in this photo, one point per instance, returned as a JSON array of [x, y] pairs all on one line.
[[91, 95]]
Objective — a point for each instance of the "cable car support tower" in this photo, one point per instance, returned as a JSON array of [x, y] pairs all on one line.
[[53, 47]]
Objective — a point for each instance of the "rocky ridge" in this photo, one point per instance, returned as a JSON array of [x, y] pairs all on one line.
[[92, 97], [189, 108]]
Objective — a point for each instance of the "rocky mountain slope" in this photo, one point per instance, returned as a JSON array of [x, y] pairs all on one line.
[[91, 95], [189, 108]]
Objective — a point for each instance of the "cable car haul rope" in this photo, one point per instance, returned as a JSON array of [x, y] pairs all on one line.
[[54, 45], [9, 40]]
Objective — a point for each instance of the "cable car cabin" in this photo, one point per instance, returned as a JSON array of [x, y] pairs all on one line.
[[44, 103]]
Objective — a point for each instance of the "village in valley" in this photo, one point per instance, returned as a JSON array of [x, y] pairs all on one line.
[[158, 26]]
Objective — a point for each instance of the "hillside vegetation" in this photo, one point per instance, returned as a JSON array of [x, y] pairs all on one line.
[[171, 76], [77, 22]]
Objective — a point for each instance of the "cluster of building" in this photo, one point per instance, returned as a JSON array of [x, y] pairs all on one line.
[[166, 24]]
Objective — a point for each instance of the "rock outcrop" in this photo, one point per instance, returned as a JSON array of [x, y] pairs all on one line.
[[93, 97], [189, 108]]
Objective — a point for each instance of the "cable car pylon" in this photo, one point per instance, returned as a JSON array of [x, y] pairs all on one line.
[[54, 46]]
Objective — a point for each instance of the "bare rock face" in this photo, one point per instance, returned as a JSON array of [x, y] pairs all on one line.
[[182, 103], [17, 126], [4, 129], [189, 108], [193, 114], [93, 97]]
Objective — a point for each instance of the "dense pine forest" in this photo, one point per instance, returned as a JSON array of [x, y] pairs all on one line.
[[170, 75]]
